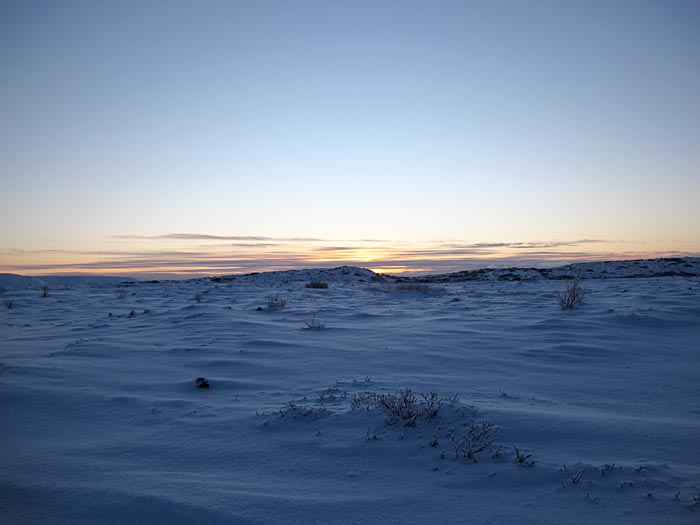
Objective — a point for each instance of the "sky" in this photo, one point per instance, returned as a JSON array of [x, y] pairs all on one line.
[[188, 138]]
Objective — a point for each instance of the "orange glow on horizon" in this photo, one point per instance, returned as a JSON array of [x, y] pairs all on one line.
[[193, 258]]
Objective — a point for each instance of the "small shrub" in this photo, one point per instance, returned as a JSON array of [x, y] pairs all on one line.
[[2, 290], [606, 469], [314, 324], [10, 304], [574, 479], [316, 284], [198, 297], [402, 405], [121, 294], [45, 291], [477, 439], [374, 435], [274, 303], [362, 400], [572, 297], [303, 412], [407, 407], [524, 460], [432, 405], [327, 396]]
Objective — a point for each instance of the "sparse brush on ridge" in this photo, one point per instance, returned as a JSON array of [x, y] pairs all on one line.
[[572, 297], [418, 287], [315, 283], [274, 303]]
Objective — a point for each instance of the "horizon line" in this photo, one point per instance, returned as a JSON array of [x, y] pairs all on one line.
[[385, 267]]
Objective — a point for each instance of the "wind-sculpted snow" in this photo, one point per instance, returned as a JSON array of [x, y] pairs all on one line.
[[103, 421]]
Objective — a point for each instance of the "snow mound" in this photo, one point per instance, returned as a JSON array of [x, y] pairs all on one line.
[[341, 274], [14, 281]]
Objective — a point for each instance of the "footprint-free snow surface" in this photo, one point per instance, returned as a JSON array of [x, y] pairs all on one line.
[[369, 401]]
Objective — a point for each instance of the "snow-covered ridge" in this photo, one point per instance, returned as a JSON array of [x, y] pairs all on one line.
[[642, 268], [14, 281], [341, 274]]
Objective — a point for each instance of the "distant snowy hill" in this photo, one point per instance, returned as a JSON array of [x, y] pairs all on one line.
[[342, 274], [678, 267], [14, 281], [644, 268], [11, 280]]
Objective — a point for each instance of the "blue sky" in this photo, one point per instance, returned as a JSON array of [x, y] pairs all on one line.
[[418, 124]]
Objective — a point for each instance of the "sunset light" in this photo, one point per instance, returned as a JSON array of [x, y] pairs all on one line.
[[350, 262]]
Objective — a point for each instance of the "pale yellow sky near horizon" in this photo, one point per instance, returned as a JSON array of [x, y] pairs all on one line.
[[183, 255]]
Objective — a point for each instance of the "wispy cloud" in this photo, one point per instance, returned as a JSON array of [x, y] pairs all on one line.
[[209, 237], [250, 253], [528, 245]]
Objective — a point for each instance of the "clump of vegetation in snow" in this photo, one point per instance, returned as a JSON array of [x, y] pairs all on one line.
[[10, 304], [478, 438], [362, 400], [314, 283], [121, 294], [572, 297], [314, 324], [45, 291], [274, 303], [426, 414], [573, 478], [405, 406], [419, 288], [524, 460], [304, 412], [402, 405]]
